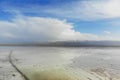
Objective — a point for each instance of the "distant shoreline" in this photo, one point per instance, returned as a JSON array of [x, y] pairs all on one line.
[[69, 44], [37, 45]]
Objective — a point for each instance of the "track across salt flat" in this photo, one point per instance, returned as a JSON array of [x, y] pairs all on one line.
[[15, 67], [7, 72]]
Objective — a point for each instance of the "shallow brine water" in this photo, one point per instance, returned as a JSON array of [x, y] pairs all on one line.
[[60, 63]]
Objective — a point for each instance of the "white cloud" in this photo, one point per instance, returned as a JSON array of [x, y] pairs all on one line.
[[40, 29], [101, 9], [88, 10], [107, 32], [8, 35], [112, 8]]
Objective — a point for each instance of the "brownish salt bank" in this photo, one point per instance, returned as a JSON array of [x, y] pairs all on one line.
[[65, 74], [52, 74]]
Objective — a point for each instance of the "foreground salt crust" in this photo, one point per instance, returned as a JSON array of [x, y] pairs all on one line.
[[59, 64]]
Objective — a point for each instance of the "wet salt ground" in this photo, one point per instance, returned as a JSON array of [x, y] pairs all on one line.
[[96, 61]]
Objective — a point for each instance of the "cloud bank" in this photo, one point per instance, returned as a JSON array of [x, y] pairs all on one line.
[[39, 29]]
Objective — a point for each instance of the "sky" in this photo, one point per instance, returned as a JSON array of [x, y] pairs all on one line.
[[30, 21]]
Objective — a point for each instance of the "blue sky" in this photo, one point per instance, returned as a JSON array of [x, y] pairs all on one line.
[[79, 20]]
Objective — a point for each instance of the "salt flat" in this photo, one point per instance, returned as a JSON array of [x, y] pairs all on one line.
[[81, 63]]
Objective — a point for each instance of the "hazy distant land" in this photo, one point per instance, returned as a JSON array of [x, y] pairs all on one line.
[[69, 44]]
